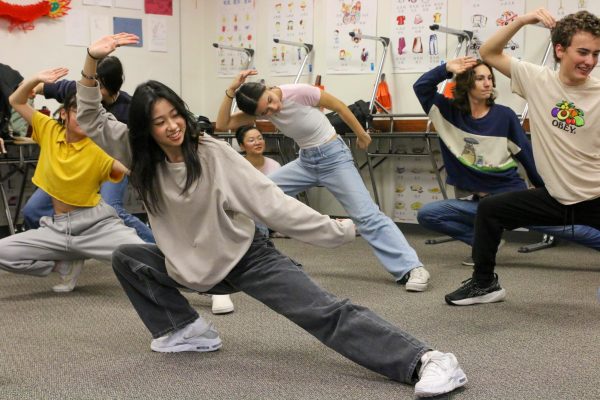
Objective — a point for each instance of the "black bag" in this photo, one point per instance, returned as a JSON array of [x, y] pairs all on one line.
[[359, 108], [205, 125], [9, 80]]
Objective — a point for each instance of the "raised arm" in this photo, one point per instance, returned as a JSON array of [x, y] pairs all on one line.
[[332, 103], [18, 100], [225, 120], [492, 51], [102, 127]]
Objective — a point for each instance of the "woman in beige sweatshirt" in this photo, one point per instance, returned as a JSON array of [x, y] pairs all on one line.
[[202, 199]]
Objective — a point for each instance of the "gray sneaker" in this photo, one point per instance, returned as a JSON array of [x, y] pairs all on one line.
[[198, 336]]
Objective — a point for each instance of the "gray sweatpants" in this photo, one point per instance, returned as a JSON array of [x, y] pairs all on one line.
[[93, 232]]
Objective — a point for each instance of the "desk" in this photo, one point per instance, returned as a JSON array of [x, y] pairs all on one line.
[[26, 155]]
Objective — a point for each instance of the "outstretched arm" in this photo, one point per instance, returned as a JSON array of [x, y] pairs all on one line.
[[332, 103], [226, 120], [18, 100], [102, 127], [492, 51]]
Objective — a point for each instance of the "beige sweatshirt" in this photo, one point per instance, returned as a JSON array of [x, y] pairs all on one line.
[[204, 232]]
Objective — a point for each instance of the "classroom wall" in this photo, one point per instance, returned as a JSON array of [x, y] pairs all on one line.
[[190, 65]]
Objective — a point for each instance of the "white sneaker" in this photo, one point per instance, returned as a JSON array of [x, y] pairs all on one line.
[[439, 373], [69, 272], [198, 336], [221, 304], [418, 280]]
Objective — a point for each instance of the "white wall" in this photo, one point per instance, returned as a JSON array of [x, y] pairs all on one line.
[[43, 47], [190, 65]]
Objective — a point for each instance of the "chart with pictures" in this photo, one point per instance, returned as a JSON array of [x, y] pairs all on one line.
[[414, 46], [351, 54], [290, 21], [486, 17], [560, 8], [237, 29], [415, 183]]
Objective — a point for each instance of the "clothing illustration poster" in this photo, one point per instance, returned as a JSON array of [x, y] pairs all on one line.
[[486, 17], [414, 46], [236, 28], [290, 21], [347, 54], [415, 183]]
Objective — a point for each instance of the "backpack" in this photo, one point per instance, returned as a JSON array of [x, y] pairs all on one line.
[[359, 108]]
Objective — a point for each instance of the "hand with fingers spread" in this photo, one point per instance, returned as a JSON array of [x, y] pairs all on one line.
[[460, 65], [240, 79], [51, 75], [106, 45]]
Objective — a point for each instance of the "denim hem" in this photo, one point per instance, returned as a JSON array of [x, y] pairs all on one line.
[[176, 327]]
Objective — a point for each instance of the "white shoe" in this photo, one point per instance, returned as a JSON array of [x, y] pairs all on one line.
[[221, 304], [439, 373], [69, 272], [418, 280], [198, 336]]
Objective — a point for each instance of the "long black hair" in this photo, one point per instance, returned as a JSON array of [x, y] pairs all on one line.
[[146, 153], [247, 96]]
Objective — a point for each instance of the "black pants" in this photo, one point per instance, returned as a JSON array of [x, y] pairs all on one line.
[[517, 209]]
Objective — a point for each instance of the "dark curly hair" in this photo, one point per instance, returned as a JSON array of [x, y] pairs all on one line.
[[582, 21], [464, 83]]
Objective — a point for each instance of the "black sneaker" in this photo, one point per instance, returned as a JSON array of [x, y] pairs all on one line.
[[470, 293]]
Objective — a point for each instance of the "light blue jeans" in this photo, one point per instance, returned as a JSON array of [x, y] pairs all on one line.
[[40, 205], [456, 218], [331, 165]]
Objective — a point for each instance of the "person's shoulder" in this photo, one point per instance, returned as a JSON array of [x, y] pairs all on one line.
[[504, 110], [124, 97]]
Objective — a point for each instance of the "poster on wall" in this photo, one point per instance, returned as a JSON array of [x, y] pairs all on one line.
[[486, 17], [414, 46], [350, 54], [289, 21], [237, 31], [560, 8], [415, 183]]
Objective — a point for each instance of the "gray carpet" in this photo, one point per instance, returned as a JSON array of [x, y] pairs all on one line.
[[541, 343]]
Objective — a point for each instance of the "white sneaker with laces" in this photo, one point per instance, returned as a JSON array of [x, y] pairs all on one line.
[[198, 336], [418, 280], [221, 304], [439, 374], [69, 272]]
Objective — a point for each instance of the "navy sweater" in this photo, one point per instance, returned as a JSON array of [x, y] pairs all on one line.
[[479, 154], [59, 90]]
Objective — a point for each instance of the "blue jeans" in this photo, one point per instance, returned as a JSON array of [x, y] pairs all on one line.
[[331, 165], [40, 205], [273, 279], [456, 218]]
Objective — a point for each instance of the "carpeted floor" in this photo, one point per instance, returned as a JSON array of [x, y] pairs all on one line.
[[543, 342]]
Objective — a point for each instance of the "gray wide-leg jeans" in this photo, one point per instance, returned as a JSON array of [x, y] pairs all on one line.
[[272, 278]]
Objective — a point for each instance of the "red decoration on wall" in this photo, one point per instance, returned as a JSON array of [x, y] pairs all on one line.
[[22, 17]]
